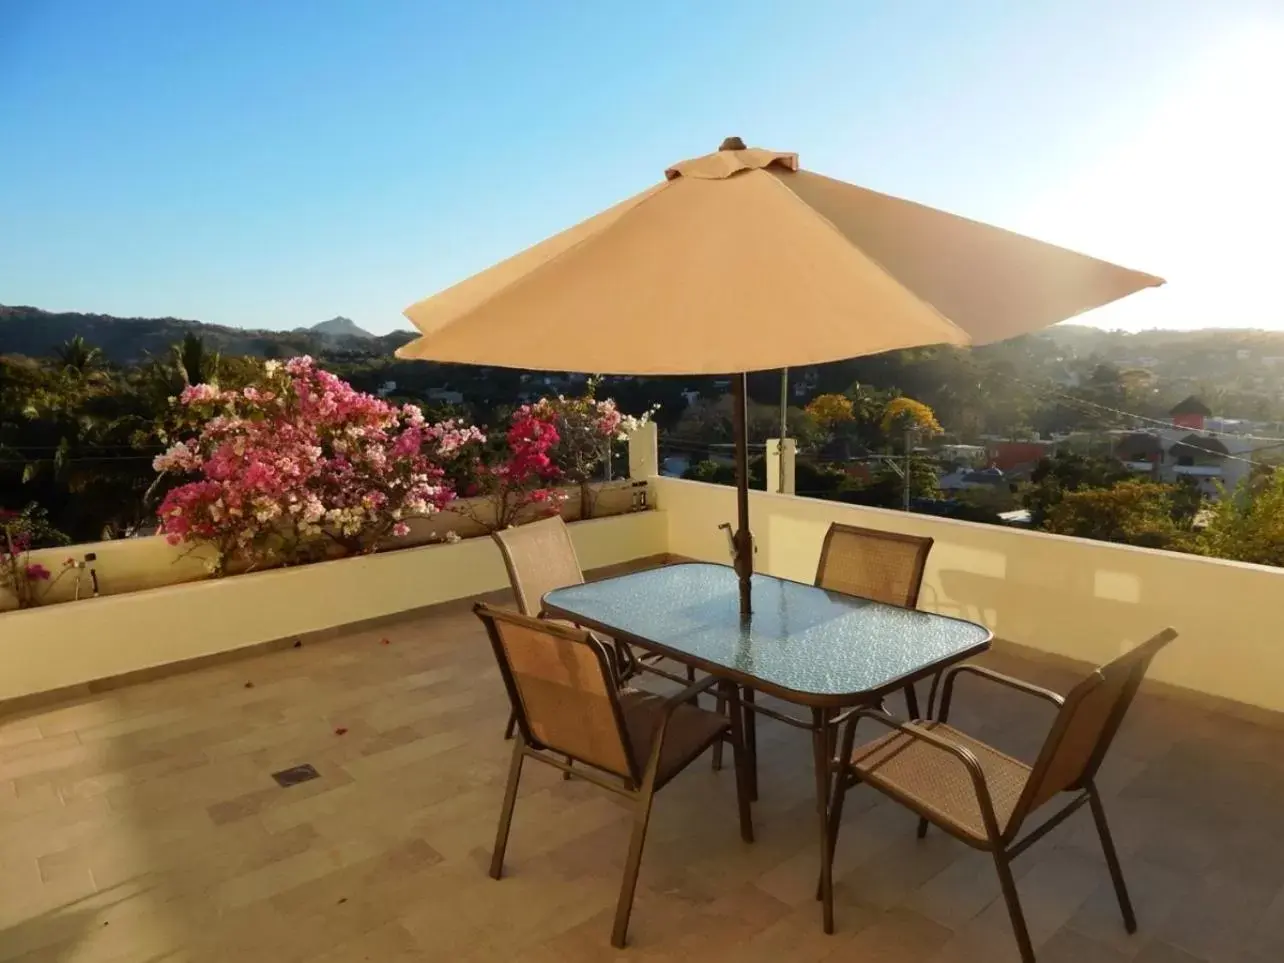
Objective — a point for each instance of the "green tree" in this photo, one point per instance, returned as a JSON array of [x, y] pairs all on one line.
[[710, 423], [78, 357], [1187, 500], [886, 489], [721, 473], [868, 404], [1132, 511], [1066, 472], [818, 481], [1248, 524]]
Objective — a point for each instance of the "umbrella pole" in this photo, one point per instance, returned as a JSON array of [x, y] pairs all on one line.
[[743, 540]]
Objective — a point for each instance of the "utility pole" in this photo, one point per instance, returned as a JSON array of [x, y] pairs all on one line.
[[909, 448], [784, 426]]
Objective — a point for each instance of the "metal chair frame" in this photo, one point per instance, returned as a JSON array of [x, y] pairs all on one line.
[[643, 777], [1003, 842]]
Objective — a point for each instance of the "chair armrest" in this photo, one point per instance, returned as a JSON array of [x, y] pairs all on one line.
[[925, 735], [667, 709], [1020, 685], [687, 694]]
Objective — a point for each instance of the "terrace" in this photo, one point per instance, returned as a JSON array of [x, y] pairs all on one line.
[[139, 821]]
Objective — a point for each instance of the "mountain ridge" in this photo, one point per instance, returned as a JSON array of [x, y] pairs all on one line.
[[32, 331], [35, 332]]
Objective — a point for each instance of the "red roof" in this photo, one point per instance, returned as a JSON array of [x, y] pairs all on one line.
[[1007, 455]]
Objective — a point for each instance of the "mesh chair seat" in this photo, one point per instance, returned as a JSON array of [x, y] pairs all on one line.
[[691, 731], [937, 784]]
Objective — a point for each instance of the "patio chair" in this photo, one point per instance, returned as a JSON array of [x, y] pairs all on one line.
[[571, 706], [982, 796], [883, 566], [540, 557]]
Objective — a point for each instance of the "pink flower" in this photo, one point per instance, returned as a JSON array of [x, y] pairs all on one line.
[[37, 572], [401, 529], [182, 457], [196, 394]]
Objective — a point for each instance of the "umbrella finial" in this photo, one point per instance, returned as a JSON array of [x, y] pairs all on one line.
[[733, 143]]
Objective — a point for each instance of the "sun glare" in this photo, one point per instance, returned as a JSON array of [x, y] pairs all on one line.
[[1195, 196]]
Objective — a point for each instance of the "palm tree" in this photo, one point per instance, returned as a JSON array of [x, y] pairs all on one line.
[[78, 357], [194, 364]]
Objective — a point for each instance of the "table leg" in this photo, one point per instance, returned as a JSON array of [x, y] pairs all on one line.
[[729, 693], [751, 742], [820, 741], [911, 702]]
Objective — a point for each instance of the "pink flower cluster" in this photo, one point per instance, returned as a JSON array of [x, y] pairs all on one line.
[[525, 482], [531, 436], [300, 461]]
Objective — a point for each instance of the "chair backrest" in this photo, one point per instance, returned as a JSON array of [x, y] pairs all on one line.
[[883, 566], [1085, 727], [540, 557], [563, 690]]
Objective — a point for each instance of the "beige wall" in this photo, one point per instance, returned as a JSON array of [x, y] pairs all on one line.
[[62, 645], [1083, 599]]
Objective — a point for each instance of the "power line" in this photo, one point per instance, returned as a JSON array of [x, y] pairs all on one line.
[[1083, 402], [1129, 414]]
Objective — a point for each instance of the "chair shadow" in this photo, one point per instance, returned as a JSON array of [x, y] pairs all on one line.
[[57, 935]]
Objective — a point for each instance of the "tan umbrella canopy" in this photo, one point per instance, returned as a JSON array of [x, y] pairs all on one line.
[[741, 261]]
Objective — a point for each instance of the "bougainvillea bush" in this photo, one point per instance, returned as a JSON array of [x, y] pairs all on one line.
[[586, 427], [302, 467], [20, 532], [518, 481]]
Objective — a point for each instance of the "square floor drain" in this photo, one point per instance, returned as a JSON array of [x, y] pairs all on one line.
[[295, 775]]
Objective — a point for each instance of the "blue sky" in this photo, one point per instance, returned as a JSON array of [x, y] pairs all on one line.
[[276, 164]]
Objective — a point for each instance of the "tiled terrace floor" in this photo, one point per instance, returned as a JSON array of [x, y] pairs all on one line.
[[143, 826]]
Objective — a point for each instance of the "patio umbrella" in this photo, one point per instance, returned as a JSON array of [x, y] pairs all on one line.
[[741, 261]]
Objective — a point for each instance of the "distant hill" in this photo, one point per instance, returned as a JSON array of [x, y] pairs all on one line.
[[36, 333], [339, 327]]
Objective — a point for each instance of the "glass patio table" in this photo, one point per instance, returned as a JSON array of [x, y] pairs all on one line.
[[820, 650]]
